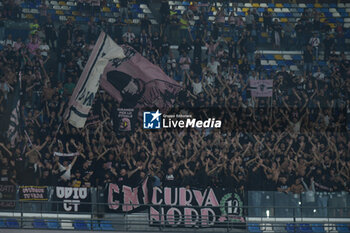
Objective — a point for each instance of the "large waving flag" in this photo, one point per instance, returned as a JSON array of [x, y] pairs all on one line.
[[84, 93], [137, 83], [14, 114]]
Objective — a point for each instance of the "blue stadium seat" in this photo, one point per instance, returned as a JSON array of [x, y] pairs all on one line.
[[12, 223], [94, 226], [297, 57], [40, 224], [292, 228], [333, 5], [332, 20], [82, 19], [342, 228], [324, 10], [53, 224], [269, 57], [54, 17], [317, 228], [106, 226], [289, 63], [80, 225], [322, 63], [344, 14], [281, 63], [268, 68], [24, 5], [328, 15], [254, 227], [271, 5], [2, 223], [305, 228], [51, 11], [261, 10], [287, 5]]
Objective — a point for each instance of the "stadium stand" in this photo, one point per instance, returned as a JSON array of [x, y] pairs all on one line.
[[289, 149]]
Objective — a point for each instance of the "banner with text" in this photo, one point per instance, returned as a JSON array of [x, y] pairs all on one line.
[[7, 196], [73, 199], [33, 193], [184, 207], [124, 119], [128, 199]]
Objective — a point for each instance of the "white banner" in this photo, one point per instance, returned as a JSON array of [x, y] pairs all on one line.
[[65, 154], [84, 93]]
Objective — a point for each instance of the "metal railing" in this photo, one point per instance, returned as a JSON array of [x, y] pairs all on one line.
[[271, 210], [28, 211]]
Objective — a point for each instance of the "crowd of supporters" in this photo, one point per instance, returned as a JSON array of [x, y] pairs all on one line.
[[300, 134]]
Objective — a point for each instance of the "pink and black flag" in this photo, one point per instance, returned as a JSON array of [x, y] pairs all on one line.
[[261, 88], [84, 93], [137, 83]]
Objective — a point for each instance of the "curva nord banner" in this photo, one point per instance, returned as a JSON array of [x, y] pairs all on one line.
[[190, 207], [179, 207]]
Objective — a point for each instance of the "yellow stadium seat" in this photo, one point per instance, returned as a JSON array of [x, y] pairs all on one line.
[[106, 9], [261, 19], [270, 10], [118, 5], [213, 9], [59, 13], [71, 18], [256, 5], [62, 3], [279, 5], [245, 9], [284, 20], [29, 16], [322, 20], [317, 5], [264, 34], [278, 57], [75, 13], [332, 25]]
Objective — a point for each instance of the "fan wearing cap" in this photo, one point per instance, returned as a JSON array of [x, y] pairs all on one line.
[[131, 89]]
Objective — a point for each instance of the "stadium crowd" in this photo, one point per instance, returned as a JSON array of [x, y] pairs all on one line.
[[300, 134]]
